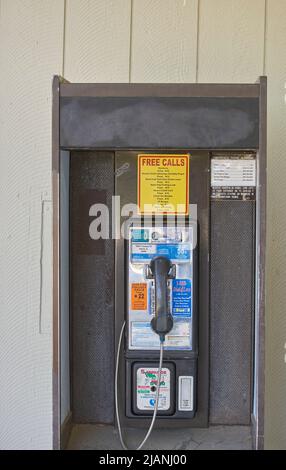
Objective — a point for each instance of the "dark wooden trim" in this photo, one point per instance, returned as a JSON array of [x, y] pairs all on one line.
[[261, 253], [56, 311], [159, 90]]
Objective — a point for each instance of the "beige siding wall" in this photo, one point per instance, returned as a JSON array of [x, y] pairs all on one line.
[[231, 40], [116, 41], [31, 38], [97, 40], [163, 41]]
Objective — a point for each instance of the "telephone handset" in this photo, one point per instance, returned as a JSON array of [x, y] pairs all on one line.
[[162, 322]]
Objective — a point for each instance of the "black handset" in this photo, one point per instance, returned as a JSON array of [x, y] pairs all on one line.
[[162, 322]]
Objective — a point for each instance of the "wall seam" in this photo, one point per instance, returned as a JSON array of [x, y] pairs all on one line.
[[130, 41], [265, 36], [64, 39], [197, 45], [41, 265]]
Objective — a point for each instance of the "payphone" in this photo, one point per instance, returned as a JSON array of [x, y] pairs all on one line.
[[161, 313]]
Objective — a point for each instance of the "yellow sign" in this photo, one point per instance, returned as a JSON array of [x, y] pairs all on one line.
[[163, 183]]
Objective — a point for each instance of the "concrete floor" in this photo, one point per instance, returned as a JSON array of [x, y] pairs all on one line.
[[103, 437]]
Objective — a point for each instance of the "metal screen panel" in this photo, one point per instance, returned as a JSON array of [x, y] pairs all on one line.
[[231, 314], [92, 291]]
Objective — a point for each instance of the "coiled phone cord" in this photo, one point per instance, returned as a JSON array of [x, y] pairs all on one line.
[[116, 394]]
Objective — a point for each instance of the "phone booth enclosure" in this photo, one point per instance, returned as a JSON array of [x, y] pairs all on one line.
[[208, 122]]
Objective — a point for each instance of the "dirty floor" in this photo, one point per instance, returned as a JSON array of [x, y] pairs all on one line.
[[103, 437]]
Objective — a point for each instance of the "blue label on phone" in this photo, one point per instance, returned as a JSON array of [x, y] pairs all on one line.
[[140, 235], [182, 297], [147, 251]]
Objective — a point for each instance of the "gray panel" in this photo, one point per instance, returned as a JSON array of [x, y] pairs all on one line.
[[231, 300], [176, 122], [92, 291]]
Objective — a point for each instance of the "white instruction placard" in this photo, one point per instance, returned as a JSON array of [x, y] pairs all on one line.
[[143, 337], [180, 335], [233, 172]]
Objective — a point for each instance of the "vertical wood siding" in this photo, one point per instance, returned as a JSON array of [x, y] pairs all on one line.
[[231, 40], [31, 41], [164, 41], [97, 40]]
